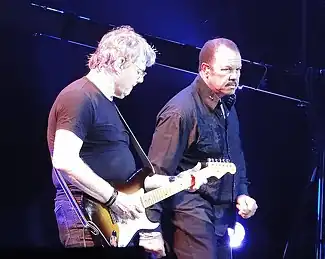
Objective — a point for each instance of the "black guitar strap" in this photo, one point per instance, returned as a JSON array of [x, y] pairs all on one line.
[[145, 160], [74, 204]]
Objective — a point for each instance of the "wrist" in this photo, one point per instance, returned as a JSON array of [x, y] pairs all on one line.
[[112, 199]]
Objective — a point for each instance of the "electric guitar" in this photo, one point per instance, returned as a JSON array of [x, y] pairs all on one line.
[[117, 233]]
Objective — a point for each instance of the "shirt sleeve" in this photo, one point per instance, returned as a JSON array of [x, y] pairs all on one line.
[[75, 113], [243, 182], [169, 142], [239, 158]]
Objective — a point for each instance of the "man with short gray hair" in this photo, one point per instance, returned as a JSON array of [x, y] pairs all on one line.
[[88, 143]]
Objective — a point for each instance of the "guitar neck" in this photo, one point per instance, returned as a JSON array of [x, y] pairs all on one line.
[[159, 194], [217, 170]]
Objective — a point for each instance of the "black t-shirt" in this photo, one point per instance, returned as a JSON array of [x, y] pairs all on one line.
[[83, 109]]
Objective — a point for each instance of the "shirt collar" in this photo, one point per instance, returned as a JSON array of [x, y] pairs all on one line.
[[208, 97]]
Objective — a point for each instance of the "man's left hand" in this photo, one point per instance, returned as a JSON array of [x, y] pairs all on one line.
[[246, 206], [197, 180]]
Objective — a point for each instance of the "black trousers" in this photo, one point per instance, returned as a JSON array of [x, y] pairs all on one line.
[[200, 239], [200, 233]]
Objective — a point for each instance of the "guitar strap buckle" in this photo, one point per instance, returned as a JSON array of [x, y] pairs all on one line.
[[92, 228]]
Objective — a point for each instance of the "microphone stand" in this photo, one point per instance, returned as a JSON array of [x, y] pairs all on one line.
[[318, 126], [301, 103], [320, 245]]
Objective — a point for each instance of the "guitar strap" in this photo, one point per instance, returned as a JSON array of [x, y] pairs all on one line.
[[71, 199], [144, 159]]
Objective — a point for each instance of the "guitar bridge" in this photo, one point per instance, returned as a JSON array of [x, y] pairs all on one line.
[[114, 218]]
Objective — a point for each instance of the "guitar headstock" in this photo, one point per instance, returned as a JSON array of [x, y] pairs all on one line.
[[218, 168]]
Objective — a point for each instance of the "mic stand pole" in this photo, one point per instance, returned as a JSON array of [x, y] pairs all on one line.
[[317, 122], [301, 103], [320, 246]]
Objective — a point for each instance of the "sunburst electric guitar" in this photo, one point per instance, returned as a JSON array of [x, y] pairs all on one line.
[[117, 233]]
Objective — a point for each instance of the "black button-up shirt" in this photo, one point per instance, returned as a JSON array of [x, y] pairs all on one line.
[[191, 128]]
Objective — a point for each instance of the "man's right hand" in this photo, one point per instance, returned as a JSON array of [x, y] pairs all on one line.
[[125, 207]]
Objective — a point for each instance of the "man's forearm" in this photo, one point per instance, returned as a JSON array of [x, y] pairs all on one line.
[[80, 174]]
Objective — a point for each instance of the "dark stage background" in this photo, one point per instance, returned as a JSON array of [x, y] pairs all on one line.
[[275, 131]]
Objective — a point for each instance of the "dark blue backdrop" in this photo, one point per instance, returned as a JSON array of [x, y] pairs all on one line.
[[275, 132]]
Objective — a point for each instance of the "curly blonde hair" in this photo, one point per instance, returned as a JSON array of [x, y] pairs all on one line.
[[123, 42]]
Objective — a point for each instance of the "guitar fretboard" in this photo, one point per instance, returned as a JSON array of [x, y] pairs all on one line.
[[217, 170], [157, 195]]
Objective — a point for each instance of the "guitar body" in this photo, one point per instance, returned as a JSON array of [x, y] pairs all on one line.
[[117, 233], [113, 232]]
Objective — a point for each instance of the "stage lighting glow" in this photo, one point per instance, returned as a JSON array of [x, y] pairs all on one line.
[[236, 235]]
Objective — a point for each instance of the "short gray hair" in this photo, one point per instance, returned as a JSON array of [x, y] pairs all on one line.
[[123, 42]]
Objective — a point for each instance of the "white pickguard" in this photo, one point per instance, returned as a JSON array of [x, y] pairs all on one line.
[[128, 228]]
